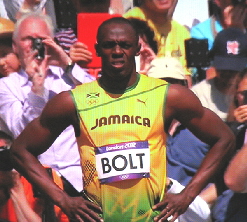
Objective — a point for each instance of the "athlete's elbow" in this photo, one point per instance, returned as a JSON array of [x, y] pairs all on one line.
[[230, 143]]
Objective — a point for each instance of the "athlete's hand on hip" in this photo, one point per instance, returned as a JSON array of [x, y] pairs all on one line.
[[172, 205], [81, 210]]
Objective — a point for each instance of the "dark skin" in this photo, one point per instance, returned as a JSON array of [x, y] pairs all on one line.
[[6, 181], [118, 67], [117, 46]]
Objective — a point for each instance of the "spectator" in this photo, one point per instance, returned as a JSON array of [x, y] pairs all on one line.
[[169, 34], [5, 168], [63, 16], [168, 69], [235, 176], [240, 100], [24, 93], [229, 58], [215, 94], [8, 61], [11, 187], [224, 15], [6, 27], [149, 47], [62, 13], [118, 45], [79, 51], [237, 112]]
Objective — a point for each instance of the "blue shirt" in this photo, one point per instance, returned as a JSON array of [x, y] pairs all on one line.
[[206, 30]]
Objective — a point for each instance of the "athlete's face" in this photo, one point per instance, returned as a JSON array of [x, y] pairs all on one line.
[[117, 46]]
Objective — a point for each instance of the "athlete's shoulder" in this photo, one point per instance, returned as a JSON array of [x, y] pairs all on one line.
[[85, 86], [152, 80]]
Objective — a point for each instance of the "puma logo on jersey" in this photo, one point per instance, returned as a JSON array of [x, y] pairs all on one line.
[[140, 101]]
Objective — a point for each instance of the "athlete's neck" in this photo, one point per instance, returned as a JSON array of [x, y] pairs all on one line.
[[117, 85]]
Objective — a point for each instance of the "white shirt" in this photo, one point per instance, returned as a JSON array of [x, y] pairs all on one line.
[[212, 98], [19, 106]]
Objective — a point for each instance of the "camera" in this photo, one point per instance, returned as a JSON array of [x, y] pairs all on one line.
[[239, 2], [39, 46]]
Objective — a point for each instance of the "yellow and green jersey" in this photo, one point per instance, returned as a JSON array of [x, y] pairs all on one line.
[[122, 147]]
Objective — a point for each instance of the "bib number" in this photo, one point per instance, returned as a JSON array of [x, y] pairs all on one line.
[[123, 161]]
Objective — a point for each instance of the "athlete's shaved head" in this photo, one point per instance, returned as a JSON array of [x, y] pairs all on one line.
[[116, 20]]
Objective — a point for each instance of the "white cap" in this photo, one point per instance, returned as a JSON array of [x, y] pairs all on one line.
[[166, 67]]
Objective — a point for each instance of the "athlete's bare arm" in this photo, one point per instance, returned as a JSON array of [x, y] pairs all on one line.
[[37, 137], [183, 105]]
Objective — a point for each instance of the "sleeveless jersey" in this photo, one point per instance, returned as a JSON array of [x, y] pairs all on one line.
[[122, 147]]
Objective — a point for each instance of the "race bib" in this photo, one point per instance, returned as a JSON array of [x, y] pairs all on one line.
[[123, 161]]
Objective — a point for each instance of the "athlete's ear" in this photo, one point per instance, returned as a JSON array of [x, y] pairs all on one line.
[[138, 49], [97, 49]]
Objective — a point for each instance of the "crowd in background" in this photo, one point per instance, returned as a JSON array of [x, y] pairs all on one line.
[[213, 67]]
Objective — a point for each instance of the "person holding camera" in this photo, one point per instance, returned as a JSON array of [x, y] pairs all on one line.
[[240, 113], [235, 175], [14, 205], [229, 58], [24, 94]]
